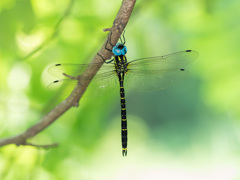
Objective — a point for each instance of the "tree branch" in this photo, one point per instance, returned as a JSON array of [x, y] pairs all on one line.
[[119, 24]]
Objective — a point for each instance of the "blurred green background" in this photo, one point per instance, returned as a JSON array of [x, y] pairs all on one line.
[[188, 131]]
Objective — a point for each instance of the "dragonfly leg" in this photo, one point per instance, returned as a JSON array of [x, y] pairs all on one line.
[[101, 57], [111, 60], [123, 41], [109, 39]]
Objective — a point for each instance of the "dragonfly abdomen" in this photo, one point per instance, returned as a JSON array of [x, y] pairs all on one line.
[[123, 118]]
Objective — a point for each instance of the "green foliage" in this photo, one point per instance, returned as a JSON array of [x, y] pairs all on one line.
[[188, 130]]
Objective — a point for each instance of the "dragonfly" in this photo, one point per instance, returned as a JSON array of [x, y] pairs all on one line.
[[144, 74]]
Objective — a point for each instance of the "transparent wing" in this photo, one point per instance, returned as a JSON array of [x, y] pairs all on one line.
[[153, 80], [170, 61], [77, 69], [154, 73], [104, 81], [64, 86]]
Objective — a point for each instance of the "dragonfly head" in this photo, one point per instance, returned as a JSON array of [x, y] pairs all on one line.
[[119, 49]]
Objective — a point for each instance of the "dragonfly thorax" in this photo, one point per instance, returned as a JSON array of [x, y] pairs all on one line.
[[119, 49], [120, 64]]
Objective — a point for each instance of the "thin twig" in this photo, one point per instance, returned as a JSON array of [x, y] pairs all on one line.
[[43, 146], [119, 24], [70, 77]]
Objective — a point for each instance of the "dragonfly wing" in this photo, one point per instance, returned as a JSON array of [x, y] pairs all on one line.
[[170, 61], [155, 73], [70, 69], [58, 70], [154, 80], [64, 86], [103, 81]]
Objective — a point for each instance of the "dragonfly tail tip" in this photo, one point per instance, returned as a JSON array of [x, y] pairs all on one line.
[[124, 152]]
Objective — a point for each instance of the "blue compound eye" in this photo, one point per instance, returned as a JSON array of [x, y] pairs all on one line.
[[124, 50], [119, 49], [116, 51]]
